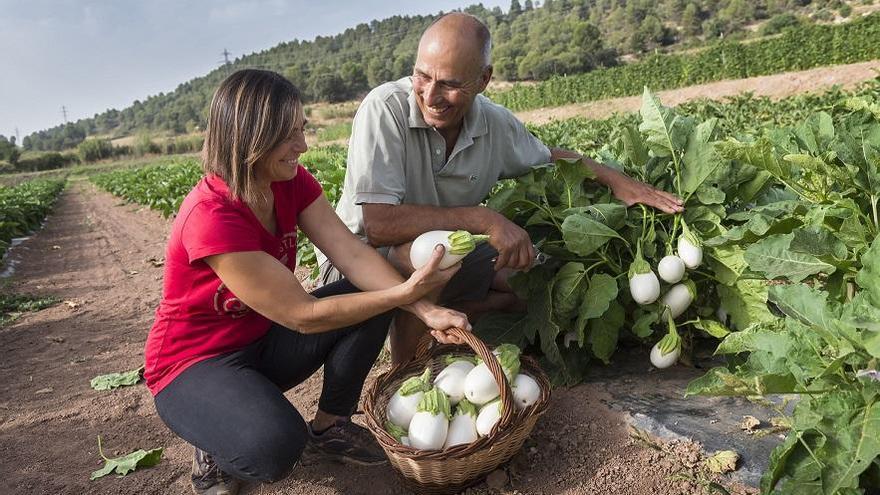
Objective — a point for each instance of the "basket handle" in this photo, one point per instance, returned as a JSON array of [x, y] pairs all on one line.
[[508, 408]]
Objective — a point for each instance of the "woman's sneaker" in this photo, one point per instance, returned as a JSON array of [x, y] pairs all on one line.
[[345, 442], [208, 479]]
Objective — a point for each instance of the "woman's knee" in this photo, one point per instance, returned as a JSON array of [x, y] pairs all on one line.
[[272, 456]]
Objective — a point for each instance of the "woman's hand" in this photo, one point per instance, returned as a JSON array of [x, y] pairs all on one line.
[[439, 320], [429, 278]]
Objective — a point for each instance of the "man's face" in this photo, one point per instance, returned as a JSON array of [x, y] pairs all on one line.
[[445, 86]]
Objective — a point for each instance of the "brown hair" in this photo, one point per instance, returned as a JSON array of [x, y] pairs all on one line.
[[251, 113]]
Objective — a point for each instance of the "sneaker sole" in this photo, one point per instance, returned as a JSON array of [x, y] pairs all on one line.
[[311, 458]]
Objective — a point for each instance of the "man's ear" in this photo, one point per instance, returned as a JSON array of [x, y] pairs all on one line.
[[485, 78]]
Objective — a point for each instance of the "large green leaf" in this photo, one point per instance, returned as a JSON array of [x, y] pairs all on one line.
[[817, 241], [634, 148], [759, 154], [611, 214], [868, 277], [603, 289], [573, 173], [604, 332], [568, 289], [805, 304], [665, 131], [583, 235], [728, 263], [700, 159], [774, 258], [745, 302]]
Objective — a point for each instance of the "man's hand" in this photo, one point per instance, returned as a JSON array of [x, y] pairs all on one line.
[[631, 191], [515, 248]]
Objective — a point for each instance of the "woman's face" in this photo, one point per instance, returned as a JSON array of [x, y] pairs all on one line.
[[281, 163]]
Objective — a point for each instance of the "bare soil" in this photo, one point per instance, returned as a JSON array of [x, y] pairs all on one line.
[[100, 257], [776, 87]]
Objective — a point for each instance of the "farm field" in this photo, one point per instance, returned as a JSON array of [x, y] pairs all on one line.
[[99, 257], [762, 196]]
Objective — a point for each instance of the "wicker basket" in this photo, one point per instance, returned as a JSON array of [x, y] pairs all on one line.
[[451, 470]]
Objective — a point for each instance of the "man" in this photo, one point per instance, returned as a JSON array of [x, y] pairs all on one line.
[[426, 150]]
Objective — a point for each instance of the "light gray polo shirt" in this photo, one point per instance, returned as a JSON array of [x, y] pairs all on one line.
[[394, 157]]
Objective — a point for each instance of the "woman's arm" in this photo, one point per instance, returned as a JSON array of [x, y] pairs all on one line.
[[359, 262], [368, 270], [271, 289]]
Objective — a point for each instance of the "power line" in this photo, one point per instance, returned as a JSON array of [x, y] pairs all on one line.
[[225, 62]]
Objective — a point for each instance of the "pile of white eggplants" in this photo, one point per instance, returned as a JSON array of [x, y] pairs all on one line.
[[645, 289], [461, 404]]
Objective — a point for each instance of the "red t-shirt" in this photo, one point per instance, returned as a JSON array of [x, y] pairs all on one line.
[[198, 316]]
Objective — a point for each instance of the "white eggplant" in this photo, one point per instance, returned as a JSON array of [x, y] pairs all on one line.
[[525, 391], [666, 352], [480, 386], [430, 424], [660, 360], [644, 288], [678, 298], [405, 401], [451, 380], [690, 252], [643, 284], [671, 268], [463, 428], [489, 415], [458, 244]]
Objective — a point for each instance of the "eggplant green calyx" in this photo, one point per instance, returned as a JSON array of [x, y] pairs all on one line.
[[639, 265], [508, 357], [394, 430], [689, 235], [466, 407], [435, 402], [449, 359], [463, 242], [416, 383], [671, 341]]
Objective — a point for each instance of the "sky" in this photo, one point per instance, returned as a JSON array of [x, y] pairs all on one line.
[[92, 55]]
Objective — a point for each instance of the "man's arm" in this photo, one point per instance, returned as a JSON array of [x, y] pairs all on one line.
[[393, 225], [626, 189]]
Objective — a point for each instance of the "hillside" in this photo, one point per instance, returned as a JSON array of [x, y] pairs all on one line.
[[530, 43]]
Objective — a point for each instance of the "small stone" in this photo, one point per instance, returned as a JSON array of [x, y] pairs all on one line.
[[749, 423], [497, 479]]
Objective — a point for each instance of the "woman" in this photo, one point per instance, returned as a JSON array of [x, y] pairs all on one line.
[[235, 329]]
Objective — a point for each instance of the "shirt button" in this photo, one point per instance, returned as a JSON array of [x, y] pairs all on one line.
[[437, 151]]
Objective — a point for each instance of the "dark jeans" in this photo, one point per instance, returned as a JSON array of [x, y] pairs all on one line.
[[232, 406]]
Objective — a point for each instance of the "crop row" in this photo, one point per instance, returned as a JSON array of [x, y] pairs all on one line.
[[796, 49], [23, 208]]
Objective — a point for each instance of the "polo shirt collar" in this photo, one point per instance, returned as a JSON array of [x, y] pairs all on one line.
[[474, 121]]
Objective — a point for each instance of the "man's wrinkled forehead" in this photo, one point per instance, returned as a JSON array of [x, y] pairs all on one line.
[[453, 61]]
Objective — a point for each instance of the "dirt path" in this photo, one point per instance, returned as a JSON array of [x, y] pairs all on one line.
[[775, 86], [95, 253]]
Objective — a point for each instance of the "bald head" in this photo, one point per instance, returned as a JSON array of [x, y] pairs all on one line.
[[461, 34]]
